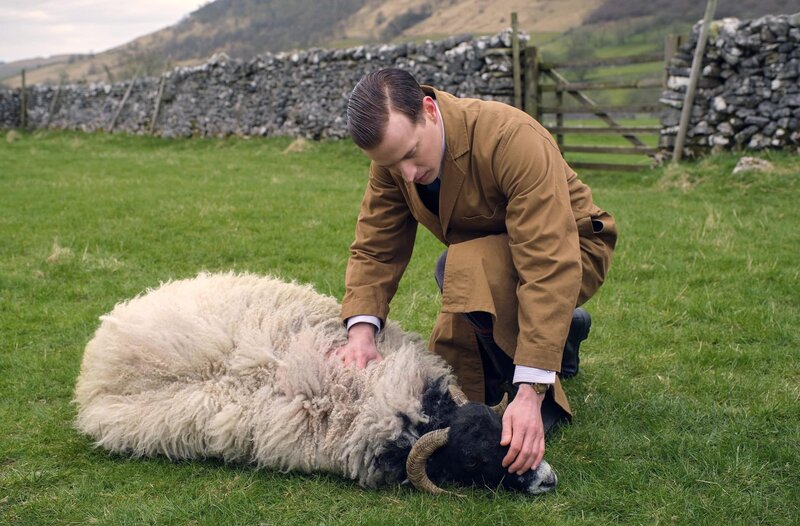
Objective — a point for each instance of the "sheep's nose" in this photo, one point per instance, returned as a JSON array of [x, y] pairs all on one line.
[[544, 480]]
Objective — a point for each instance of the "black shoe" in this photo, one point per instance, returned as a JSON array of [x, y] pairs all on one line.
[[578, 331]]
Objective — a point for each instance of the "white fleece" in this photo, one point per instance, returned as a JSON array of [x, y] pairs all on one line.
[[234, 366]]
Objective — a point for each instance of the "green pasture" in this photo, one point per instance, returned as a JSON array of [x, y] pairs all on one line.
[[687, 407]]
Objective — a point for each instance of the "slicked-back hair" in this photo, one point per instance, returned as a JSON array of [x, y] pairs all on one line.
[[373, 97]]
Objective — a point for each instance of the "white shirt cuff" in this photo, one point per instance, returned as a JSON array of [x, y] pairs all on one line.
[[532, 375], [365, 319]]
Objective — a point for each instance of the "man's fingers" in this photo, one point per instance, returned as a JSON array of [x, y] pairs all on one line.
[[356, 355], [510, 457], [364, 360], [516, 445], [525, 451], [540, 455], [530, 455], [505, 438], [525, 457]]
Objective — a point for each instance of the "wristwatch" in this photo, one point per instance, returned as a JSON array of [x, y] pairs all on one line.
[[537, 387]]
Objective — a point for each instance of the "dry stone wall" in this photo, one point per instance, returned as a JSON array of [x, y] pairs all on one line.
[[302, 93], [748, 96]]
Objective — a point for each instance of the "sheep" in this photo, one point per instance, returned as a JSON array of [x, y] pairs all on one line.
[[238, 367]]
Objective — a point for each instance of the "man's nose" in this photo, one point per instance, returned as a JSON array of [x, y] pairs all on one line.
[[408, 170]]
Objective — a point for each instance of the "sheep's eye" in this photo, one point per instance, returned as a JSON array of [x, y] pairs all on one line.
[[471, 464]]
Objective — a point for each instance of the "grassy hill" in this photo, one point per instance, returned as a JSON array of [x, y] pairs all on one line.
[[10, 69]]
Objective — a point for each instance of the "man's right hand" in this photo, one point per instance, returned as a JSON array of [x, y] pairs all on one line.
[[360, 348]]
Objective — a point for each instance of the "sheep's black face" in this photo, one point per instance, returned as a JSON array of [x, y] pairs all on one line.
[[473, 455]]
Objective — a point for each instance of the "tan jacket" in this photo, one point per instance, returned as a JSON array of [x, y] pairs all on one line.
[[502, 174]]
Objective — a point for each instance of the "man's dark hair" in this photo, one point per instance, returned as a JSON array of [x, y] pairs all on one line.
[[373, 96]]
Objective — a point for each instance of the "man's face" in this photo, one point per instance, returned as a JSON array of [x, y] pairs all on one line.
[[415, 149]]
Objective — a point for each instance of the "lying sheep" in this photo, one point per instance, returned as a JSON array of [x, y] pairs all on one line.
[[237, 367]]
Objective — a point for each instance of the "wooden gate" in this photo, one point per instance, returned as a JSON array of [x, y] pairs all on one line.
[[618, 137], [547, 104]]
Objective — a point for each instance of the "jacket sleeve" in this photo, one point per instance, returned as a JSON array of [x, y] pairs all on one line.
[[543, 239], [384, 240]]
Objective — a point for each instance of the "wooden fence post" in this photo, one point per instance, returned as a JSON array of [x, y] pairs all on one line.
[[671, 45], [697, 62], [109, 75], [560, 115], [515, 61], [54, 103], [158, 103], [122, 103], [532, 82], [23, 104]]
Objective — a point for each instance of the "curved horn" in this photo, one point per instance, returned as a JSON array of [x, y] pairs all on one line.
[[458, 395], [500, 408], [418, 459]]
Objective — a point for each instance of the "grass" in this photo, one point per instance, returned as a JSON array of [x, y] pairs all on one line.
[[687, 406]]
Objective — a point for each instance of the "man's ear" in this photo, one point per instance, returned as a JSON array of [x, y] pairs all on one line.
[[429, 109]]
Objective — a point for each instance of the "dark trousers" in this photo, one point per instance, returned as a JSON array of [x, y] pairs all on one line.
[[498, 367]]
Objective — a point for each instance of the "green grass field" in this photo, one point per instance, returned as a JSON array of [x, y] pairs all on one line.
[[687, 406]]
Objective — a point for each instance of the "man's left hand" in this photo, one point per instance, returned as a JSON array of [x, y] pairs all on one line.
[[523, 431]]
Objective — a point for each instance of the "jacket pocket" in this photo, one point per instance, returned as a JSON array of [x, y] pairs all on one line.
[[589, 226], [499, 210], [600, 227], [493, 222]]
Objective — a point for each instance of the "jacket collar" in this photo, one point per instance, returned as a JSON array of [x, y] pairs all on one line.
[[455, 130]]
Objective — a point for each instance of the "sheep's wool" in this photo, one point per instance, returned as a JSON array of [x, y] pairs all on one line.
[[235, 367]]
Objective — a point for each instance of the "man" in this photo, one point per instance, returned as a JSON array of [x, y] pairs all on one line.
[[526, 244]]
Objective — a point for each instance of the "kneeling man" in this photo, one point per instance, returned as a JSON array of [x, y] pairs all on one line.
[[526, 245]]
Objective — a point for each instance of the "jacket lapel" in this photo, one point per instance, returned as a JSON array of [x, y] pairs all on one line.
[[455, 163], [423, 215]]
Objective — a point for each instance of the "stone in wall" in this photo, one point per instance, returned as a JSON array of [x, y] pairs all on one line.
[[9, 108]]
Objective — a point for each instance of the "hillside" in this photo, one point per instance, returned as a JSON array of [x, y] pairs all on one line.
[[380, 20], [8, 69], [244, 28]]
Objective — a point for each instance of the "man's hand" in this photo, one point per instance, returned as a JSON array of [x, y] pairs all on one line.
[[523, 431], [360, 348]]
